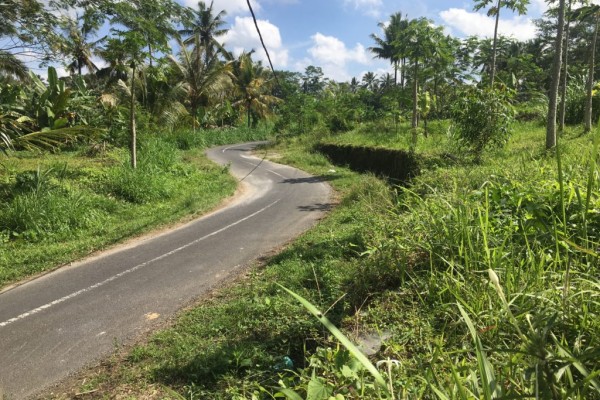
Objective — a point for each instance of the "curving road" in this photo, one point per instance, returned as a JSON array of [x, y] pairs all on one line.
[[56, 324]]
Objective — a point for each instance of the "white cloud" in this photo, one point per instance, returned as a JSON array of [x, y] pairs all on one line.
[[233, 7], [369, 7], [242, 36], [333, 56], [472, 23], [539, 6]]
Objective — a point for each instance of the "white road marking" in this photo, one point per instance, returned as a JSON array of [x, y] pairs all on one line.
[[133, 269]]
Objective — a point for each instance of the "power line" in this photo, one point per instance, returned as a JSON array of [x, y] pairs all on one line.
[[263, 42]]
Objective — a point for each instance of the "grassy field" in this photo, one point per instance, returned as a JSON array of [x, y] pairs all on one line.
[[59, 207], [476, 281]]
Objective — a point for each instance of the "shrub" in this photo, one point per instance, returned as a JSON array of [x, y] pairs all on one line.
[[481, 119]]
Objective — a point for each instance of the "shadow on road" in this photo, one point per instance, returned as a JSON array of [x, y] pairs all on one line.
[[310, 179], [317, 207]]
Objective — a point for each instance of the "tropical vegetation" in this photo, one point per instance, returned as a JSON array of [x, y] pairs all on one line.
[[477, 278]]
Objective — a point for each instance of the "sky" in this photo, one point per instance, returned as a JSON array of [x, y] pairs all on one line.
[[335, 34]]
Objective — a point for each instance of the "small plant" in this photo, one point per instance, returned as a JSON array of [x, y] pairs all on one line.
[[356, 353]]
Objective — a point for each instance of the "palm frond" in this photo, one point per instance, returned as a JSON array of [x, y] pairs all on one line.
[[53, 139], [9, 64]]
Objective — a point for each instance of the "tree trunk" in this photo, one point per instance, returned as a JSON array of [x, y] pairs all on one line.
[[132, 120], [556, 64], [493, 72], [563, 97], [248, 113], [415, 93], [402, 65], [415, 110], [150, 54], [590, 81], [194, 113]]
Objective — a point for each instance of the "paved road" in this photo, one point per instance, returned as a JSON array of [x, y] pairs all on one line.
[[56, 324]]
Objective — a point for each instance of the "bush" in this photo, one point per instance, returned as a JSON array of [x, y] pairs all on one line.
[[139, 185], [482, 118], [36, 215]]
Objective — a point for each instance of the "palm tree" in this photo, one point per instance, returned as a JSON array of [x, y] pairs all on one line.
[[253, 88], [199, 79], [11, 65], [207, 27], [390, 46], [76, 44], [369, 80], [519, 6]]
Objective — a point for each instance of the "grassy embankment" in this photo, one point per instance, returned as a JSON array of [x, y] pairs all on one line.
[[61, 206], [481, 280]]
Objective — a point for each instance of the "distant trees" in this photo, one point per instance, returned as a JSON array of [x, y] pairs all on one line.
[[519, 6], [592, 14], [199, 82]]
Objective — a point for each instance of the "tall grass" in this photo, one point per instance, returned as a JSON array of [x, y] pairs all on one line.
[[504, 267], [40, 207], [188, 139]]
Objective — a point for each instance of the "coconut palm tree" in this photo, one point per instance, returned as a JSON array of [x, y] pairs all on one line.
[[369, 81], [11, 65], [201, 77], [253, 88], [390, 46], [207, 27], [76, 44], [520, 6]]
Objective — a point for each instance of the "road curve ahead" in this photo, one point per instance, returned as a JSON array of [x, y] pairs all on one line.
[[56, 324]]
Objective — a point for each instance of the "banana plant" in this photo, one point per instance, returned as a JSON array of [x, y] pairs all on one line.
[[40, 118], [426, 102], [50, 102]]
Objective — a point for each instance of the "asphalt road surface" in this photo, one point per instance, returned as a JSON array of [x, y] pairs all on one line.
[[53, 326]]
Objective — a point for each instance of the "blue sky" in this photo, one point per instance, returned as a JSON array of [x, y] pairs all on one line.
[[335, 34]]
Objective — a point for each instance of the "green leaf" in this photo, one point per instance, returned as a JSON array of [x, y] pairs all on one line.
[[290, 394], [52, 78], [341, 337], [317, 389], [488, 380], [60, 123]]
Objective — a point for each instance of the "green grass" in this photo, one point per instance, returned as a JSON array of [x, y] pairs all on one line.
[[59, 207], [483, 280]]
